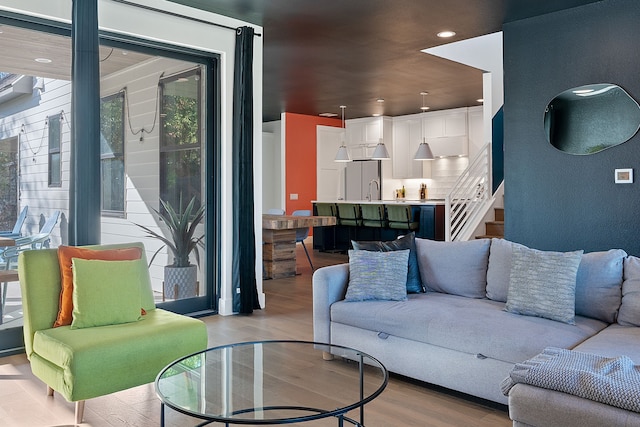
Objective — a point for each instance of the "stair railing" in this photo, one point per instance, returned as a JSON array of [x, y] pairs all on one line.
[[466, 202]]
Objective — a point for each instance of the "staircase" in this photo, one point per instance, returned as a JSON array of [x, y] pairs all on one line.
[[494, 228]]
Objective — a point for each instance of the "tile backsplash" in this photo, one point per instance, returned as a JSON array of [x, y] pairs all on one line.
[[444, 174]]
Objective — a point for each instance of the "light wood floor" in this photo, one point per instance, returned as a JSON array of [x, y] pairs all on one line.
[[288, 315]]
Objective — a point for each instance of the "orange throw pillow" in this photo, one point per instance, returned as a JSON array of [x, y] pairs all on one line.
[[65, 256]]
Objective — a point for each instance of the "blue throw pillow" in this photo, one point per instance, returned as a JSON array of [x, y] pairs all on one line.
[[414, 284], [377, 275]]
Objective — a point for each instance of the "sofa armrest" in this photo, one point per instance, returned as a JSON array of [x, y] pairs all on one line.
[[329, 286]]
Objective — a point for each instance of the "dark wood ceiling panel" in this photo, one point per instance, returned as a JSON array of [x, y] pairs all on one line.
[[319, 55]]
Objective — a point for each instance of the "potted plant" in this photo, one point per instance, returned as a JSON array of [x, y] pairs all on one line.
[[180, 277]]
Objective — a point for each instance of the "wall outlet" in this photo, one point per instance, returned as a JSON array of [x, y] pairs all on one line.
[[293, 196]]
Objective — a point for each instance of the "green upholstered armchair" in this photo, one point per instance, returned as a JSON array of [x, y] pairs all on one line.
[[85, 363]]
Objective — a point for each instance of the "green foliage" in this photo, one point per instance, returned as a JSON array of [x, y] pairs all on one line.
[[181, 120], [182, 227]]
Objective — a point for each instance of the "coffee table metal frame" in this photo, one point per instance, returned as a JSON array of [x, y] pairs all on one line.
[[315, 413]]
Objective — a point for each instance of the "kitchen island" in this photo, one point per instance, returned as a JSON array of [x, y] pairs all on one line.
[[428, 213]]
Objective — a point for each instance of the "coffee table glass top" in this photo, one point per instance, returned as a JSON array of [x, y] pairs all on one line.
[[271, 382]]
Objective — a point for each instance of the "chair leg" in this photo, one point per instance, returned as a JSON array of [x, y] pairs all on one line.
[[79, 411], [4, 299], [308, 257]]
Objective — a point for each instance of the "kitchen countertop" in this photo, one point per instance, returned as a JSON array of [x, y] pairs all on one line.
[[387, 202]]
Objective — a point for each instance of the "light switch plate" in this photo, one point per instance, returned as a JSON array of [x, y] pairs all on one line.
[[293, 196]]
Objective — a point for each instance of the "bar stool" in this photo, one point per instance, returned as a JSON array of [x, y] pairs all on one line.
[[401, 217], [374, 217], [326, 209], [350, 216]]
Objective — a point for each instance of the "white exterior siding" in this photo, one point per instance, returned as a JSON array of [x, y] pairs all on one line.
[[29, 124]]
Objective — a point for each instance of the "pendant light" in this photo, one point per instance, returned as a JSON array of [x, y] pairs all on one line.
[[424, 151], [380, 153], [343, 153]]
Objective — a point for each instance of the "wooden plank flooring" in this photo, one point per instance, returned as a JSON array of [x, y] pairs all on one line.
[[288, 315]]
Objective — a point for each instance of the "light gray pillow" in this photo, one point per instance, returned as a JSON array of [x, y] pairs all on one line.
[[543, 283], [377, 275], [629, 314], [499, 270], [599, 284], [457, 268]]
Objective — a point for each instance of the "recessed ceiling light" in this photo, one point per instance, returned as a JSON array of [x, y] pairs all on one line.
[[480, 100], [43, 60], [328, 115], [380, 100], [376, 114], [424, 108], [446, 34]]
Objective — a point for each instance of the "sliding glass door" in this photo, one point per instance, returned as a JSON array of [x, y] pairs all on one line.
[[158, 143]]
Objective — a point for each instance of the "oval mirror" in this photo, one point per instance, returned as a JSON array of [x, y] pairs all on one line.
[[591, 118]]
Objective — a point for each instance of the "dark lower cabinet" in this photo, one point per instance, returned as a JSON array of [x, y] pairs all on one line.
[[338, 238], [431, 222]]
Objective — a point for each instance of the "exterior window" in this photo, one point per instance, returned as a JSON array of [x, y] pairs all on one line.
[[180, 139], [55, 163], [112, 154]]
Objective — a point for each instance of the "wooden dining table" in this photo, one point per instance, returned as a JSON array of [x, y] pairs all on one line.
[[279, 238]]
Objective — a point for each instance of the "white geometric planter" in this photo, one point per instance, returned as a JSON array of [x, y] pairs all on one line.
[[180, 282]]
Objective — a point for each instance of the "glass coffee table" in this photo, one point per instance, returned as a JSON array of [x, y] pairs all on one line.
[[272, 382]]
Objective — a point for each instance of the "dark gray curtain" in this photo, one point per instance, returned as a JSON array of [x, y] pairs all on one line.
[[245, 293]]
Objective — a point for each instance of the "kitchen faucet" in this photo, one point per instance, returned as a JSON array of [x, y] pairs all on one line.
[[377, 185]]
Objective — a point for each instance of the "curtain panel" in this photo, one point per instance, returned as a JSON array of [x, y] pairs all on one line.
[[245, 293]]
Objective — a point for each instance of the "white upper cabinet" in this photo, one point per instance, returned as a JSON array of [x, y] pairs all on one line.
[[407, 135], [364, 134], [446, 132]]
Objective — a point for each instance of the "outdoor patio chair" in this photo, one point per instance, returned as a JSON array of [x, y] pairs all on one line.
[[36, 241], [17, 227]]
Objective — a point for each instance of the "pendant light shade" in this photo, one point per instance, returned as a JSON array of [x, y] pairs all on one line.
[[380, 153], [424, 151], [343, 153]]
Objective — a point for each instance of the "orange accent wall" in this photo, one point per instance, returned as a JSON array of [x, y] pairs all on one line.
[[300, 158]]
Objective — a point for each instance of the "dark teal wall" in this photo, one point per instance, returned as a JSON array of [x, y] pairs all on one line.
[[554, 200]]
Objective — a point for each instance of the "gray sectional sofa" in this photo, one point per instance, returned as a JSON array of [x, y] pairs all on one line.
[[488, 305]]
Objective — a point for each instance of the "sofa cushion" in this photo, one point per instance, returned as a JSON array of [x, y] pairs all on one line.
[[440, 266], [499, 269], [414, 283], [473, 326], [629, 314], [105, 292], [599, 284], [614, 341], [377, 275], [543, 283]]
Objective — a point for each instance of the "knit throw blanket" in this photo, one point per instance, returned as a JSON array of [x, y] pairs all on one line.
[[613, 381]]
